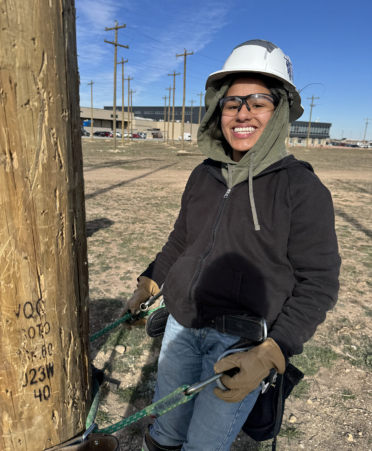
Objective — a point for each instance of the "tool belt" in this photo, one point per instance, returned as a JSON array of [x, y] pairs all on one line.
[[251, 328]]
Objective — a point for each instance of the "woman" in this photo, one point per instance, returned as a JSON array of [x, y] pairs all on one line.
[[254, 238]]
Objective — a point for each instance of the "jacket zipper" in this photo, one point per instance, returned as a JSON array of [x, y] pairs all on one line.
[[193, 285]]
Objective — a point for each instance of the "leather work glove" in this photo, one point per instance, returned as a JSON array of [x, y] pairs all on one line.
[[145, 289], [254, 366]]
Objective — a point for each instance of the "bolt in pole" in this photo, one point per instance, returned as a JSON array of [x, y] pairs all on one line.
[[116, 28], [312, 98], [91, 108], [185, 54]]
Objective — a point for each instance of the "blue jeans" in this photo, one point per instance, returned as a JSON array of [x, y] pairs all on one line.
[[206, 422]]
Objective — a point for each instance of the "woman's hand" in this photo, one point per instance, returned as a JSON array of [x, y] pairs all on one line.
[[254, 366], [145, 289]]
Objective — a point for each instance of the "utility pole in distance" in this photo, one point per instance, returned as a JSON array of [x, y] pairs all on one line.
[[168, 89], [184, 54], [192, 106], [365, 131], [116, 28], [174, 92], [131, 112], [91, 107], [122, 62], [129, 79], [201, 101], [165, 113], [312, 98]]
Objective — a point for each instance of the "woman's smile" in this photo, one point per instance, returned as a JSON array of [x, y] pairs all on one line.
[[243, 130]]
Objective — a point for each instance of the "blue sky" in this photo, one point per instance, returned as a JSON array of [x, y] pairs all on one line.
[[329, 43]]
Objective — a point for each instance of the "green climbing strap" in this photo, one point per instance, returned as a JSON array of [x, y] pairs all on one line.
[[160, 407], [120, 321], [155, 410]]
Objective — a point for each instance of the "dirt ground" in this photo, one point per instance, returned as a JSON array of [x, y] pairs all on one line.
[[133, 197]]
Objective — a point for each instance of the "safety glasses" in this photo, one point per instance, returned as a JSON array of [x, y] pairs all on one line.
[[256, 104]]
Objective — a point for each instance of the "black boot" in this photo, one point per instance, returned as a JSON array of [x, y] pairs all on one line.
[[149, 444]]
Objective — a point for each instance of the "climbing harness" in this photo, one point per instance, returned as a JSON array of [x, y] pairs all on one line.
[[180, 396]]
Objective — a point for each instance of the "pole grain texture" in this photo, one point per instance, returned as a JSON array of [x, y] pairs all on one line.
[[45, 382]]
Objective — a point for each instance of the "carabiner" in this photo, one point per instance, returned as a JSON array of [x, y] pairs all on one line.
[[145, 305], [199, 386]]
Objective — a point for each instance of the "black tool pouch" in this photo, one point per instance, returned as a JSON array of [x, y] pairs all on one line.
[[265, 420], [156, 322]]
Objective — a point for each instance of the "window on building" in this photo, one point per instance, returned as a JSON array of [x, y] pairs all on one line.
[[115, 116], [319, 141]]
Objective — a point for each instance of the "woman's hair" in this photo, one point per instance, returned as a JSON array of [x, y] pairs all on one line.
[[214, 123]]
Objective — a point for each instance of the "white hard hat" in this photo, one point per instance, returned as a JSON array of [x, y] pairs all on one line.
[[265, 58]]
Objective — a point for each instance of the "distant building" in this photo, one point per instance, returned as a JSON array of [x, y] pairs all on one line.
[[157, 112], [319, 133], [149, 118]]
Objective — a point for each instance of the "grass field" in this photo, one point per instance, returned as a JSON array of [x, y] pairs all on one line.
[[132, 199]]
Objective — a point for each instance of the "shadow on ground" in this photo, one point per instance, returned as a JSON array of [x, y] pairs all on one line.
[[98, 224]]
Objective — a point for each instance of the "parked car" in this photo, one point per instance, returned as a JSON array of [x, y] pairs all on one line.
[[136, 135], [157, 135], [143, 135], [84, 133], [126, 135], [118, 134], [186, 137], [103, 134]]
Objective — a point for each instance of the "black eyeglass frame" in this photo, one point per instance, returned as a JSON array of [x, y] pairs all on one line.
[[244, 99]]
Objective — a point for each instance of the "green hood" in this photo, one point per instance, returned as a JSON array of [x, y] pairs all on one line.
[[268, 149]]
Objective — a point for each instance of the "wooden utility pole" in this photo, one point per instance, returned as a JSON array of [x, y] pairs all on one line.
[[91, 108], [165, 113], [116, 28], [122, 62], [170, 90], [192, 106], [184, 54], [174, 92], [45, 381], [131, 112], [200, 109], [312, 98], [129, 120], [365, 131]]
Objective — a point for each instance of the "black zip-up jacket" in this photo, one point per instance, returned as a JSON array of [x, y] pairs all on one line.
[[215, 263]]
